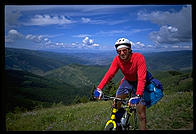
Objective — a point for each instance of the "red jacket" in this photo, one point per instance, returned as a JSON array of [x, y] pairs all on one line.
[[133, 70]]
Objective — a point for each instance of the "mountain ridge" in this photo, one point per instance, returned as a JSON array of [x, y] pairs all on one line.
[[39, 62]]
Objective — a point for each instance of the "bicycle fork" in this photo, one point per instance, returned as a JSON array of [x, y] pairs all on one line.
[[112, 119]]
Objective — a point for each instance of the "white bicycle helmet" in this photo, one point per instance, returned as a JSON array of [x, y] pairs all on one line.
[[122, 42]]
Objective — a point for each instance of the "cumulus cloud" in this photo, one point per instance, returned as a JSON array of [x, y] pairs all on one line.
[[167, 34], [13, 35], [140, 45], [175, 27], [95, 45], [36, 38], [89, 43], [48, 20]]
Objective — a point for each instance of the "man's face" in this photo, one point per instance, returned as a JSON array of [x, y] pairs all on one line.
[[123, 53]]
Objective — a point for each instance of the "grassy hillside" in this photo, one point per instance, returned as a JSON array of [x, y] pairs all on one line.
[[174, 111], [81, 75], [28, 90]]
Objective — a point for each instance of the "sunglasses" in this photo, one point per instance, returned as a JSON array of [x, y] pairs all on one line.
[[124, 51]]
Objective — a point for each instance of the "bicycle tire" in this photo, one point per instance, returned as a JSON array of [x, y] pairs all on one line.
[[110, 125]]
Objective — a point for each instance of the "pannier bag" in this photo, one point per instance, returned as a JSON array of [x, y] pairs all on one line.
[[153, 91]]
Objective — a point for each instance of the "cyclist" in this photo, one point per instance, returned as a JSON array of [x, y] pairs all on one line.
[[133, 66]]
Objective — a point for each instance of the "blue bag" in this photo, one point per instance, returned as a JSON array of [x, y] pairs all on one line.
[[153, 92], [148, 76]]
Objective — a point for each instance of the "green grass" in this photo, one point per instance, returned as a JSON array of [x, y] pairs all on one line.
[[174, 111], [89, 116]]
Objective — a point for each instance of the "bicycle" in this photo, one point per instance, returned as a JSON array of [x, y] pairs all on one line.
[[129, 119]]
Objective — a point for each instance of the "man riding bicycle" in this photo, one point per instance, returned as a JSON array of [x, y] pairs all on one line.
[[133, 67]]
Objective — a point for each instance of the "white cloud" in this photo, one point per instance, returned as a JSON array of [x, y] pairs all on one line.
[[105, 21], [175, 46], [89, 43], [48, 20], [167, 34], [95, 45], [140, 44], [175, 27], [82, 35], [46, 39], [44, 42], [95, 21], [85, 20], [13, 32], [13, 35], [187, 47], [36, 38]]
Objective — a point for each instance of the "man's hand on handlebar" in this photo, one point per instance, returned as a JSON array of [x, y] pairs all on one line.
[[98, 93], [134, 100]]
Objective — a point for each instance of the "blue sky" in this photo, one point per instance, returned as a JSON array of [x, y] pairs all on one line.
[[97, 27]]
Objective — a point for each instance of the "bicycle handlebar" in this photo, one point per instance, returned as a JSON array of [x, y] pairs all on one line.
[[125, 102]]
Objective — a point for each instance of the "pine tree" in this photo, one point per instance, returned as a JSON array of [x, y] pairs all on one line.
[[76, 100], [84, 99], [92, 93], [108, 88]]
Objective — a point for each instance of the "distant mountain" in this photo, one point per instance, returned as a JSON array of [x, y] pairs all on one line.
[[171, 60], [40, 62], [37, 62], [96, 58]]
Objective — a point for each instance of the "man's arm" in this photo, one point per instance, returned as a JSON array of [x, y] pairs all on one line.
[[141, 73], [109, 74]]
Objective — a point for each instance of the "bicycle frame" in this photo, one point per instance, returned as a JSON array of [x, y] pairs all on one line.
[[131, 122], [130, 113]]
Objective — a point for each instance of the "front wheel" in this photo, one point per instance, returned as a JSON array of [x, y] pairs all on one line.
[[110, 125]]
